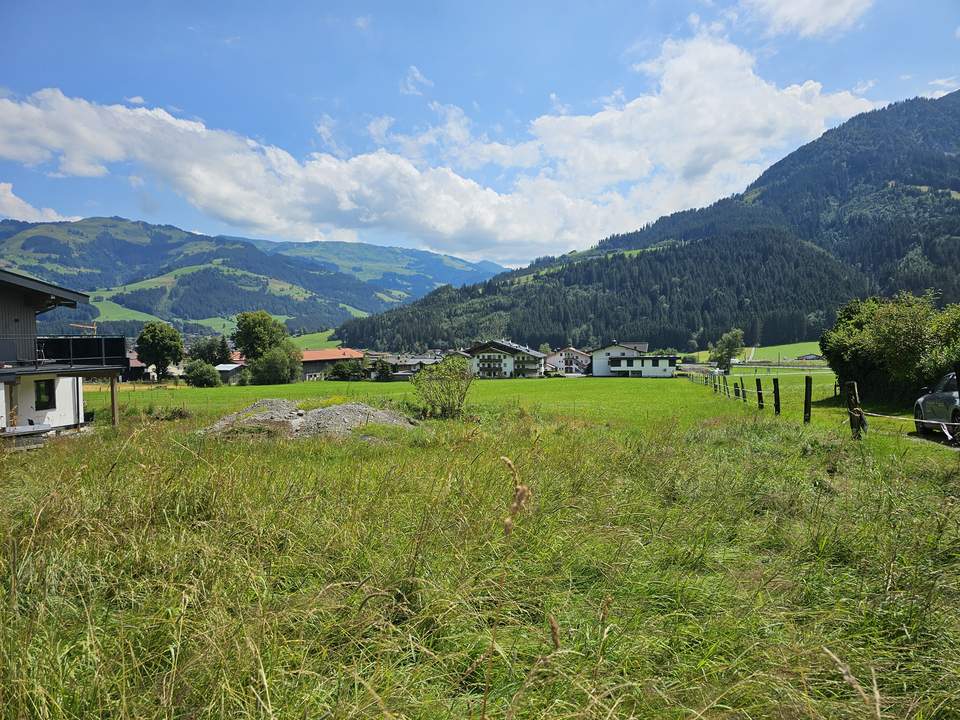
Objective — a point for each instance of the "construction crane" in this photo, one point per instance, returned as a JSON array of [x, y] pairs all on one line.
[[83, 326]]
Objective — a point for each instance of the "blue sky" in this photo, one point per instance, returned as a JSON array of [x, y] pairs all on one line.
[[496, 130]]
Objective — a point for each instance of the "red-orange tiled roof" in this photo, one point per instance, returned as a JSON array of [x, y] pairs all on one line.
[[332, 354]]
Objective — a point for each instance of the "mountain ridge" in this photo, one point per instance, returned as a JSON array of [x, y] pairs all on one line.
[[136, 271], [878, 196]]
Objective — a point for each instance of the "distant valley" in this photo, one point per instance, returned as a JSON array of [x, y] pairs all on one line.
[[136, 272]]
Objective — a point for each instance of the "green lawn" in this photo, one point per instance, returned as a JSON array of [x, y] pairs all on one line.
[[315, 341], [682, 555], [773, 353], [109, 310]]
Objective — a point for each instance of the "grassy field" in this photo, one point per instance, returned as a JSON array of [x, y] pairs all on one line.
[[773, 352], [682, 555], [315, 341]]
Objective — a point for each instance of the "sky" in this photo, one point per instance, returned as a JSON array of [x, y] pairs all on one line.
[[497, 130]]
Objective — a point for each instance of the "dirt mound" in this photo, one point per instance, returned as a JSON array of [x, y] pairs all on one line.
[[284, 418]]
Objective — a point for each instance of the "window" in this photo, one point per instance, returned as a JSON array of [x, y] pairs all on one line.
[[656, 362], [673, 362], [951, 385], [44, 396]]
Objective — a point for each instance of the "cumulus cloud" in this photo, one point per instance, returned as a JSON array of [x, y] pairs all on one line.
[[808, 18], [136, 100], [17, 208], [414, 82], [558, 107], [708, 128]]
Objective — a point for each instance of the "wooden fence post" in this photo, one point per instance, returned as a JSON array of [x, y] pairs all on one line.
[[853, 409], [807, 397], [736, 390], [726, 386], [776, 396], [743, 389], [759, 395]]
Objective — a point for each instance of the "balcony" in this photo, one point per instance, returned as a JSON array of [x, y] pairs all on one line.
[[63, 352]]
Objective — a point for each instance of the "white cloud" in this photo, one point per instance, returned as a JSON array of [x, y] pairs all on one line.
[[558, 107], [135, 181], [807, 18], [414, 82], [324, 127], [379, 128], [17, 208], [363, 22], [864, 86], [136, 100], [944, 86], [708, 128]]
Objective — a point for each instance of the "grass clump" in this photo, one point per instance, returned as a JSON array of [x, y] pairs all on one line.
[[700, 559]]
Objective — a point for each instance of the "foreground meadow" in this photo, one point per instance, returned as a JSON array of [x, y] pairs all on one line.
[[679, 555]]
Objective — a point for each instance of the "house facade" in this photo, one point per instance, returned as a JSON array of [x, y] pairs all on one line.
[[41, 377], [630, 359], [317, 363], [505, 359], [569, 361]]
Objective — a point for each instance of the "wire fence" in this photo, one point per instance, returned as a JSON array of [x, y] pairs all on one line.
[[856, 415]]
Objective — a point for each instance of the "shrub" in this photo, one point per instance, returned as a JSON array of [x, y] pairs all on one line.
[[442, 388], [201, 374], [277, 366], [244, 378]]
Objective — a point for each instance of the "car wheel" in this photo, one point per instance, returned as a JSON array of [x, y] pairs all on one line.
[[922, 427]]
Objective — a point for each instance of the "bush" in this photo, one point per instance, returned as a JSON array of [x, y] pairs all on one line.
[[277, 366], [201, 374], [244, 378], [892, 346], [442, 388], [347, 370]]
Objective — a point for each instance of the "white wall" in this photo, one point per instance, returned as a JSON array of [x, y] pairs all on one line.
[[66, 412], [3, 404], [505, 360], [641, 364]]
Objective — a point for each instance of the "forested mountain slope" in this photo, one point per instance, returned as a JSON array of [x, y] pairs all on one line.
[[871, 206]]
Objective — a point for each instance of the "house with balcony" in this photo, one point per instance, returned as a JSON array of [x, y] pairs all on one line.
[[41, 377], [505, 359], [317, 363], [630, 359], [568, 361]]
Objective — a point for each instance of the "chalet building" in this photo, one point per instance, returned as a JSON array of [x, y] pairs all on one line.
[[41, 378], [402, 367], [317, 363], [630, 359], [505, 359], [568, 361]]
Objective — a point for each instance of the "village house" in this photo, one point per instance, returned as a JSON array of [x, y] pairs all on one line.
[[41, 378], [317, 363], [402, 367], [505, 359], [630, 359], [569, 361]]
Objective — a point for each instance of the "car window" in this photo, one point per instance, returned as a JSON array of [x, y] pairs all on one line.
[[942, 384], [951, 384]]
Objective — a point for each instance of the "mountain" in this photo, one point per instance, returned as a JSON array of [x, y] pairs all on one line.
[[872, 206], [136, 272]]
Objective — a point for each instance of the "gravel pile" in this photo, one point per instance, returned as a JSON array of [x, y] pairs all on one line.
[[282, 417]]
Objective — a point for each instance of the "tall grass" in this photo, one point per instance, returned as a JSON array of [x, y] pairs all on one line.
[[672, 565]]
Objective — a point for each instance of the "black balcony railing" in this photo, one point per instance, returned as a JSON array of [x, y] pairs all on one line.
[[70, 350]]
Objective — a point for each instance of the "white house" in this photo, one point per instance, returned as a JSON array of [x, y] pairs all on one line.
[[41, 378], [630, 359], [569, 360], [505, 359]]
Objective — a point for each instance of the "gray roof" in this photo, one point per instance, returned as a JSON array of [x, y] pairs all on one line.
[[227, 367], [56, 294], [508, 346]]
